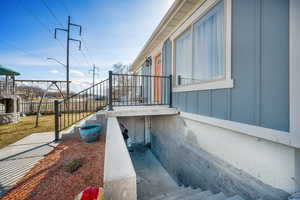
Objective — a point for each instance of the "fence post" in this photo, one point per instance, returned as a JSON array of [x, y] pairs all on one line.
[[56, 120], [110, 90], [170, 92]]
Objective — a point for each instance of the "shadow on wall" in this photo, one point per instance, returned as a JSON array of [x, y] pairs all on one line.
[[176, 147]]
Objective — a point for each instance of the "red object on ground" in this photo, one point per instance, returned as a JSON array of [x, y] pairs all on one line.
[[90, 193]]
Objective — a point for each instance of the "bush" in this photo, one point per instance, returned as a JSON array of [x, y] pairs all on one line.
[[73, 165]]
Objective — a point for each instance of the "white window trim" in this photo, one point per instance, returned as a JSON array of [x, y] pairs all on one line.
[[200, 12], [294, 70], [220, 84]]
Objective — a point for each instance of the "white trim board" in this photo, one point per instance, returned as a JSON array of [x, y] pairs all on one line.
[[276, 136], [295, 69], [221, 84]]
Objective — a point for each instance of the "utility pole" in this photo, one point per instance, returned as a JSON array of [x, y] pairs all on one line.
[[68, 49], [93, 70]]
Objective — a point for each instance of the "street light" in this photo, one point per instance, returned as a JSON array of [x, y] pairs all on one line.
[[57, 61]]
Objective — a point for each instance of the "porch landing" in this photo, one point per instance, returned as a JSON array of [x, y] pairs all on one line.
[[131, 111]]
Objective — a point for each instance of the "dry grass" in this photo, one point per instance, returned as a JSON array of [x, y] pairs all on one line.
[[11, 133]]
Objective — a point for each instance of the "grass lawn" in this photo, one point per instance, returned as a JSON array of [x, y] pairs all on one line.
[[11, 133]]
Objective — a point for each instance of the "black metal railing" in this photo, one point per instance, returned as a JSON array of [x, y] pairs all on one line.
[[139, 90], [79, 106], [117, 90]]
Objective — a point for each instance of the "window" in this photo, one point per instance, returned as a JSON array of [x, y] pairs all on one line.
[[200, 51], [184, 56]]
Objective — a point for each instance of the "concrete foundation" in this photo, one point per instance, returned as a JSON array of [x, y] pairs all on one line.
[[200, 155]]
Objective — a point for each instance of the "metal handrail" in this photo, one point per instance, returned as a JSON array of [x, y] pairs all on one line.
[[114, 91], [72, 96]]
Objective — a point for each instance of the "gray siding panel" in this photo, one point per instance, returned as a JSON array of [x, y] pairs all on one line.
[[204, 103], [192, 102], [275, 62], [182, 101], [175, 100], [260, 63], [244, 59], [219, 104]]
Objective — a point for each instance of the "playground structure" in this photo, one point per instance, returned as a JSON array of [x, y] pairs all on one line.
[[38, 95], [9, 101], [39, 101]]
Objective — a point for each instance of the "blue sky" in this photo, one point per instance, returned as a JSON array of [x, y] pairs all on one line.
[[113, 31]]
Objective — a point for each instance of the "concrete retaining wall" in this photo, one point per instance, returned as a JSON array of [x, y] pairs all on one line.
[[119, 174], [136, 128], [236, 163]]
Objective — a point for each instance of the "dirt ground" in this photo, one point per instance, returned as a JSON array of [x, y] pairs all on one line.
[[48, 180]]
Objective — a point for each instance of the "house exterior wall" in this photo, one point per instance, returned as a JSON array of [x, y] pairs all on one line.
[[262, 147], [260, 71]]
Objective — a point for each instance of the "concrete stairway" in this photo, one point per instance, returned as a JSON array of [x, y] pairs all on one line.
[[188, 193]]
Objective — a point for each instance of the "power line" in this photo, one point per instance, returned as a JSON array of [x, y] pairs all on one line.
[[51, 12], [13, 46], [87, 58], [64, 5], [42, 24], [85, 47]]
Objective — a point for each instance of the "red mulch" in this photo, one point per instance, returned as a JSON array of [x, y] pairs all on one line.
[[48, 180]]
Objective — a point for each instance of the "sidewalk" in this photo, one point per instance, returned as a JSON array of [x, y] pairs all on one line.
[[18, 158]]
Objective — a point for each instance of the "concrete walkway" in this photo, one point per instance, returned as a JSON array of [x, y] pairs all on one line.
[[18, 158], [152, 178]]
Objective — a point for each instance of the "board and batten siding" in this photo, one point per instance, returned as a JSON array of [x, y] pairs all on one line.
[[260, 69]]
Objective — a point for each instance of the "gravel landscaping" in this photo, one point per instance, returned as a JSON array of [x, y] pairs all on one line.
[[62, 174]]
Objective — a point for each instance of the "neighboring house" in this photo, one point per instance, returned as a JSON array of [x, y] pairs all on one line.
[[235, 67]]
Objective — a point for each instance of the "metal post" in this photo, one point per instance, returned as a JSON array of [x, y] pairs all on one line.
[[67, 63], [56, 120], [170, 92], [110, 90]]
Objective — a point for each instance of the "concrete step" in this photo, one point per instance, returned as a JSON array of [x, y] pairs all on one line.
[[200, 196], [162, 196], [236, 197], [188, 193], [219, 196], [184, 194]]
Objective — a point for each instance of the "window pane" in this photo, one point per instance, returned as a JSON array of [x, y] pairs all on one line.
[[209, 44], [184, 57]]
